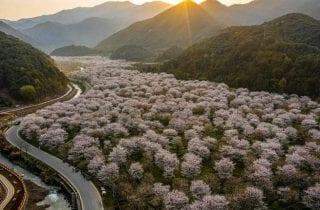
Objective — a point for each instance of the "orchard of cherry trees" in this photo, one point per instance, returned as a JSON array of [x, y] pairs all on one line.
[[156, 142]]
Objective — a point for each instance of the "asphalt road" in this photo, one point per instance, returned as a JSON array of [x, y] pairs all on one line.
[[88, 193]]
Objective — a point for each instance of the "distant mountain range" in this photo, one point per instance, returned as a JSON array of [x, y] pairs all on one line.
[[124, 11], [85, 26], [259, 11], [5, 28], [181, 25], [88, 32], [153, 25], [282, 55]]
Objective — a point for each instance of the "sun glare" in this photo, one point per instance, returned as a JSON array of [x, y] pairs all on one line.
[[177, 1]]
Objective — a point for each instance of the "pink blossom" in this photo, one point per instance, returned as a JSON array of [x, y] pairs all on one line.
[[311, 197], [176, 200], [191, 165], [224, 168]]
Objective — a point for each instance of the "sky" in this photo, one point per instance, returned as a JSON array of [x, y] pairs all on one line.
[[17, 9]]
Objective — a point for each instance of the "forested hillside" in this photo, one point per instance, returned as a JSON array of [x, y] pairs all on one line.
[[26, 74], [282, 55]]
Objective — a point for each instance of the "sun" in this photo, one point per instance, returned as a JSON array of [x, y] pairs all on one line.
[[178, 1], [197, 1]]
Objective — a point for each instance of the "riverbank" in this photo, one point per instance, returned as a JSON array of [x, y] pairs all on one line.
[[38, 194]]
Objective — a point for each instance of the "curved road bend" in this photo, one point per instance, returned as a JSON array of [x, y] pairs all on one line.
[[88, 193], [9, 191]]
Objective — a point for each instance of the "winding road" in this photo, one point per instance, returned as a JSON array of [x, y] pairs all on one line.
[[9, 191], [89, 196]]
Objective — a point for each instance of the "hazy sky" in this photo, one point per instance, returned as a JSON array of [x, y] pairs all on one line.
[[16, 9]]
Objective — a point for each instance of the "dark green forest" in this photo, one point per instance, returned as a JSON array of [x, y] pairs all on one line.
[[131, 53], [282, 56], [73, 50], [27, 74]]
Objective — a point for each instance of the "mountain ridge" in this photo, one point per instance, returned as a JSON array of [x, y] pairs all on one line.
[[109, 10], [282, 55]]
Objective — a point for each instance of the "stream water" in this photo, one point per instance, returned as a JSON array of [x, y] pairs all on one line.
[[55, 199]]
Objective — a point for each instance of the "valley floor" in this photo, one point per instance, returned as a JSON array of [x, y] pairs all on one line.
[[153, 141]]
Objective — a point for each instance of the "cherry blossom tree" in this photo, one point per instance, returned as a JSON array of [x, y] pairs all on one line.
[[53, 138], [199, 189], [311, 197], [250, 198], [191, 165], [176, 200], [167, 161], [160, 190], [224, 168]]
